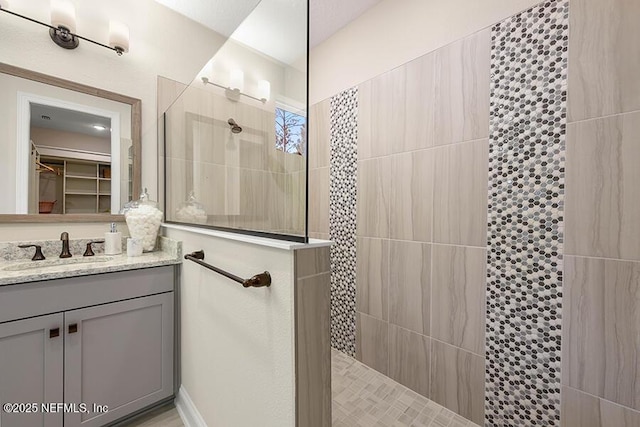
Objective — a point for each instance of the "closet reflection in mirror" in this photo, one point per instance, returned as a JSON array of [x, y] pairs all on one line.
[[70, 163]]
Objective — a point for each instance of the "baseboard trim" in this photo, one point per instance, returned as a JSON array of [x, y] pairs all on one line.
[[187, 410]]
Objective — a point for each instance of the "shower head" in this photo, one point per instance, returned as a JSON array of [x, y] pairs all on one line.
[[235, 128]]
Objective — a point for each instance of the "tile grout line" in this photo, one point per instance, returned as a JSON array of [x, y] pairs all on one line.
[[606, 116], [313, 275], [429, 337], [485, 247], [418, 150], [389, 261], [602, 258], [601, 398], [432, 206]]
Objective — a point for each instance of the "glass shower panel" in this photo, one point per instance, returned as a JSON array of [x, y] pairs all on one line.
[[236, 139]]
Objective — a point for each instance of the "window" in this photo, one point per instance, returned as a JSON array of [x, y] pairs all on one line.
[[291, 132]]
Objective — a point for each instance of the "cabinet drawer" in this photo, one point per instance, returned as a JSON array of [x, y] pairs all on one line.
[[52, 296]]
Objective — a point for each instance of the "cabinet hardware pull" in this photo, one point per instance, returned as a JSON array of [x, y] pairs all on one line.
[[73, 328], [53, 333]]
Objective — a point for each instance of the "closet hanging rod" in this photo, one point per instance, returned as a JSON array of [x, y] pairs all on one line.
[[46, 168], [42, 165], [257, 281]]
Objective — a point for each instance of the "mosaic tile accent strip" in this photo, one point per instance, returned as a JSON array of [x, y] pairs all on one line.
[[526, 194], [342, 219]]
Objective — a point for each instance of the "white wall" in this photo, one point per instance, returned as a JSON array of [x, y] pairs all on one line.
[[24, 232], [394, 32], [70, 140], [237, 344], [162, 43]]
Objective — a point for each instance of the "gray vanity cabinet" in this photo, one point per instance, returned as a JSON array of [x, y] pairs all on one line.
[[105, 341], [31, 354], [119, 357]]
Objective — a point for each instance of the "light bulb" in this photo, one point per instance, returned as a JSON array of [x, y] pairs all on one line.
[[119, 36], [236, 79], [63, 14], [264, 90]]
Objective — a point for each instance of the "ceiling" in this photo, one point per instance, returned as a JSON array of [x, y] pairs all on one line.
[[258, 31], [274, 28], [329, 16], [69, 121], [222, 16]]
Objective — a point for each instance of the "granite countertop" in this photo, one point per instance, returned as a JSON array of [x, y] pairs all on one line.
[[169, 253]]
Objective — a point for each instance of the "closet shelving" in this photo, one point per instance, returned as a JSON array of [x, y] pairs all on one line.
[[87, 187]]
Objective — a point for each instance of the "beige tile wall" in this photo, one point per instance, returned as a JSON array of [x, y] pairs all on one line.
[[461, 94], [458, 292], [319, 159], [410, 285], [603, 195], [601, 342], [313, 337], [603, 58], [374, 179], [319, 135], [457, 380], [460, 193], [372, 277], [601, 291], [421, 217], [372, 342], [411, 208], [584, 410], [409, 356]]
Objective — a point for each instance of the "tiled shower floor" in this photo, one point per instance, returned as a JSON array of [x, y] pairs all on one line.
[[362, 397]]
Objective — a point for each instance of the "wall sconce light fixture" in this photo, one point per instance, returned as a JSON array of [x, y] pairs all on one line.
[[236, 86], [63, 27]]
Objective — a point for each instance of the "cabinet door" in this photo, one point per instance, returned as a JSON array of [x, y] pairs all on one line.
[[31, 369], [118, 356]]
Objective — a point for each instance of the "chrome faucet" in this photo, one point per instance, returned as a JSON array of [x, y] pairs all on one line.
[[65, 245]]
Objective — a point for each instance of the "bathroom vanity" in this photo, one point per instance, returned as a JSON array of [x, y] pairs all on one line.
[[86, 343]]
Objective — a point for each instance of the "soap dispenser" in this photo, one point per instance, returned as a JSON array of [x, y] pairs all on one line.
[[113, 241]]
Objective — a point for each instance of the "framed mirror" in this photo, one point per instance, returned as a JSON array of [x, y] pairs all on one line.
[[72, 152]]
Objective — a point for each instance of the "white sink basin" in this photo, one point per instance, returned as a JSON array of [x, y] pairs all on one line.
[[29, 265]]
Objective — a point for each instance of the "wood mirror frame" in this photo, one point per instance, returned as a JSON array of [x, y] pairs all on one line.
[[136, 137]]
